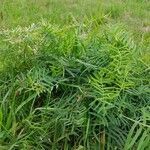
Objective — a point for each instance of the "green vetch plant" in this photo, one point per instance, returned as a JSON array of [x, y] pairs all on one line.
[[73, 87]]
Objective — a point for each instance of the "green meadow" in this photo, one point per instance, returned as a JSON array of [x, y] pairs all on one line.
[[74, 74]]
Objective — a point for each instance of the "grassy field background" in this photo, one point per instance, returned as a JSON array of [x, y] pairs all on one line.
[[135, 14], [25, 12], [74, 74]]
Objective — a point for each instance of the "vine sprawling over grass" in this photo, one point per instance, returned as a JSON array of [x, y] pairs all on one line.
[[73, 87]]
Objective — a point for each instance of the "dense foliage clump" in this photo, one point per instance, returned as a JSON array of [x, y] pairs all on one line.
[[73, 87]]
